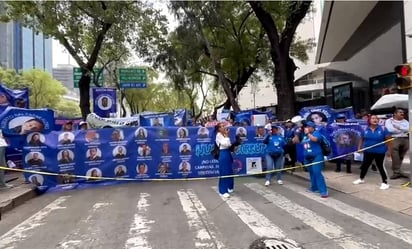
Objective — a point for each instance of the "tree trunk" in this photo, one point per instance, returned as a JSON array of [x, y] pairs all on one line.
[[84, 88]]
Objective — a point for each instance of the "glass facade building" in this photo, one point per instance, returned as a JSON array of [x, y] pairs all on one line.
[[22, 49]]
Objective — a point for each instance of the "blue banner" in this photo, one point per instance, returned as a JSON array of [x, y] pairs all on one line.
[[16, 98], [138, 153], [104, 102], [318, 114], [164, 119], [344, 138]]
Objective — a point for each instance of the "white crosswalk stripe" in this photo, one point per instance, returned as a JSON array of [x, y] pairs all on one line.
[[140, 227], [372, 220], [325, 227], [22, 231], [199, 220], [257, 222]]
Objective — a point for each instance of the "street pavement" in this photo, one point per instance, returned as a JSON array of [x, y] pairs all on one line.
[[191, 215]]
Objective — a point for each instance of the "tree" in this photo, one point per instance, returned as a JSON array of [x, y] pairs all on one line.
[[84, 28], [280, 33], [218, 39], [67, 108], [44, 91]]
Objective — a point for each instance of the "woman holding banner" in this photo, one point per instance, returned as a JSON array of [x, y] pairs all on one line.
[[226, 184], [313, 156], [374, 137]]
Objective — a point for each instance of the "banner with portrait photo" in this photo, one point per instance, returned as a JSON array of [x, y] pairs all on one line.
[[344, 138], [105, 102], [15, 98], [139, 153], [164, 119], [318, 114], [17, 122]]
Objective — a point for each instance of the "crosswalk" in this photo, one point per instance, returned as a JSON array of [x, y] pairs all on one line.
[[196, 217]]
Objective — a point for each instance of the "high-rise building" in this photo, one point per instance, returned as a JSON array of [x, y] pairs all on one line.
[[22, 49], [64, 74]]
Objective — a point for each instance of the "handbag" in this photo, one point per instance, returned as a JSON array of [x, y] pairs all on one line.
[[215, 151]]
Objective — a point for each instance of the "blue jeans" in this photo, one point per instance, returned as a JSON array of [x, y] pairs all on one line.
[[317, 181], [225, 169], [274, 163]]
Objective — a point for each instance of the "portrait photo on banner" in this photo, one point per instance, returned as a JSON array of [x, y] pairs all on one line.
[[119, 152], [141, 133], [120, 170], [203, 132], [157, 121], [92, 136], [94, 172], [185, 149], [65, 156], [141, 169], [104, 102], [25, 125], [182, 132], [241, 132], [93, 154], [35, 159], [66, 138], [184, 167], [144, 150], [165, 149], [36, 179], [117, 135], [35, 139], [163, 168]]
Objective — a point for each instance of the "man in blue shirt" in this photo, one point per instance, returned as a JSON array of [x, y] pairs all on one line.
[[313, 156]]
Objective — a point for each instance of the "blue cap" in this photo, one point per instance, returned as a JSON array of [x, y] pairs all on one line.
[[340, 116], [310, 124]]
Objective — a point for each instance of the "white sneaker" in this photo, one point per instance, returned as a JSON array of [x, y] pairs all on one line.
[[226, 195], [229, 190], [280, 182], [384, 186], [359, 181], [267, 183]]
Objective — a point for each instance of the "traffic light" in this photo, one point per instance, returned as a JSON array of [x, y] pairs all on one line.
[[404, 79]]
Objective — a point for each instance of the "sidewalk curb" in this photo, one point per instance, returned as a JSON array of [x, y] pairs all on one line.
[[17, 200]]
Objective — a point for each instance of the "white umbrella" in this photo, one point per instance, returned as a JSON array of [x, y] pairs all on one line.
[[390, 100]]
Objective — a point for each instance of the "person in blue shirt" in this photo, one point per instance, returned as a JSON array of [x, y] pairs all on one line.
[[374, 134], [290, 147], [313, 155], [274, 154]]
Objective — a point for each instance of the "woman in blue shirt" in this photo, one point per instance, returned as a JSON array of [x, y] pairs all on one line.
[[372, 135], [274, 154], [313, 155]]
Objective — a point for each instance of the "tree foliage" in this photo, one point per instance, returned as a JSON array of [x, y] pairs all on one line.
[[44, 91], [224, 40], [67, 108], [280, 31], [84, 28]]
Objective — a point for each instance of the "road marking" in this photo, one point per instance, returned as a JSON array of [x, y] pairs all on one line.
[[78, 238], [257, 222], [325, 227], [141, 225], [372, 220], [199, 220], [22, 230]]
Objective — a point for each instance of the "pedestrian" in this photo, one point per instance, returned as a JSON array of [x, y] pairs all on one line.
[[226, 184], [274, 154], [398, 127], [313, 156], [290, 147], [3, 146], [374, 134]]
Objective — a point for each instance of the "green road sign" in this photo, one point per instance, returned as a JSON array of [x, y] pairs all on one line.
[[133, 77], [77, 74]]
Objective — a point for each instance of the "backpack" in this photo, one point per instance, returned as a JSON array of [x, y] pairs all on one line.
[[325, 145]]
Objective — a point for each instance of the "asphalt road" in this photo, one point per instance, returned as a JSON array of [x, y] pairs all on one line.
[[191, 215]]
